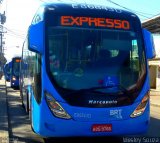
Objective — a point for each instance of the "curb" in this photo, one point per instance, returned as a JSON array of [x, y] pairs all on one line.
[[155, 105], [154, 92], [4, 130]]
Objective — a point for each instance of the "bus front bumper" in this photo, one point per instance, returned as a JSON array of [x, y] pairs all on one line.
[[72, 128]]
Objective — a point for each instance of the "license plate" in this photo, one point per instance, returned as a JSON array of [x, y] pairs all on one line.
[[102, 128]]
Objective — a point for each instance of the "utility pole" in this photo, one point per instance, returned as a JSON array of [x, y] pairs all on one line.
[[2, 58]]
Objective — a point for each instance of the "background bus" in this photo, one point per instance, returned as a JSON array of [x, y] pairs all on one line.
[[14, 81], [87, 72], [7, 71], [1, 72]]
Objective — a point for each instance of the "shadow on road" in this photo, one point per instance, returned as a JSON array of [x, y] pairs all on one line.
[[154, 128], [19, 123], [3, 110], [86, 140]]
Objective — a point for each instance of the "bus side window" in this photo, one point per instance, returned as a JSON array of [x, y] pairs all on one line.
[[37, 78]]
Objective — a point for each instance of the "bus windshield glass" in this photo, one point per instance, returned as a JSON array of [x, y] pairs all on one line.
[[83, 58], [16, 67], [7, 69]]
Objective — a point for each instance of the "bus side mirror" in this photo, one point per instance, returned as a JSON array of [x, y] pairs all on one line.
[[36, 37], [149, 44]]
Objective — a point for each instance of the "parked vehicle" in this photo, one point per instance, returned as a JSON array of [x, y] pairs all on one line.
[[87, 71], [7, 71], [15, 72]]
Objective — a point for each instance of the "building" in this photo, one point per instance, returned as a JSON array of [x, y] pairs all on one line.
[[153, 25]]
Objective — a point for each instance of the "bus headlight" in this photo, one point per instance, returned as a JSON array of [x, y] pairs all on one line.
[[56, 108], [13, 78], [141, 107]]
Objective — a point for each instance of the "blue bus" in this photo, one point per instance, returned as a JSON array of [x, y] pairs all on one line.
[[15, 70], [87, 71], [7, 71]]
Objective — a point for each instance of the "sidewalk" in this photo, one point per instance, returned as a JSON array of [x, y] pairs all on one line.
[[4, 136], [155, 97]]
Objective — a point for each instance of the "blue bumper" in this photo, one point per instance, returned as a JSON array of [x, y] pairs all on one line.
[[73, 128], [47, 125], [14, 83]]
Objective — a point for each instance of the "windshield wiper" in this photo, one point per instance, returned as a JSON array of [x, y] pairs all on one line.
[[96, 89], [122, 89]]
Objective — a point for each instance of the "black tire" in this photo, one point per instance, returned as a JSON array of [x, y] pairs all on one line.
[[22, 105], [31, 120], [27, 108], [21, 95]]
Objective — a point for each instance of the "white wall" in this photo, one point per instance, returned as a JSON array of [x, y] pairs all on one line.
[[156, 38]]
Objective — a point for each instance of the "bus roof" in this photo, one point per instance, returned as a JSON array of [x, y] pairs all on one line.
[[85, 9], [16, 58]]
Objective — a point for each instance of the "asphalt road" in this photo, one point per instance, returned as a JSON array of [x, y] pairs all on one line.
[[19, 124], [154, 128], [20, 130]]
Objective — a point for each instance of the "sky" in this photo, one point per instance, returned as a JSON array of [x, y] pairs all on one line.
[[20, 13]]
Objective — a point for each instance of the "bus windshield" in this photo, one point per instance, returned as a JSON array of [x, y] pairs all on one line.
[[16, 68], [81, 58]]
